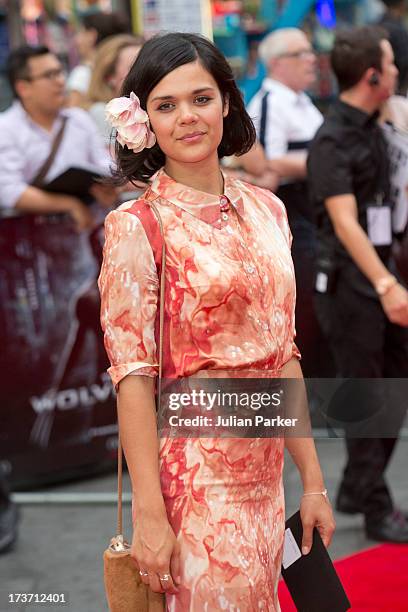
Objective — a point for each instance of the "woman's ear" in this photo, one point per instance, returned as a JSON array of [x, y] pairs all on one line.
[[225, 110]]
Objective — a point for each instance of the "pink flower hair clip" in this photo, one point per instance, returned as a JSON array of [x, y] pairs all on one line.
[[131, 123]]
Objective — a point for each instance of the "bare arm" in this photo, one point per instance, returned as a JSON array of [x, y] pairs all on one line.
[[289, 166], [254, 162], [315, 511], [268, 180], [344, 216], [76, 98], [253, 168], [154, 544], [303, 450], [34, 200], [138, 430]]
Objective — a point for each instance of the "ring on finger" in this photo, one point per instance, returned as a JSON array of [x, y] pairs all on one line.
[[164, 577], [143, 573]]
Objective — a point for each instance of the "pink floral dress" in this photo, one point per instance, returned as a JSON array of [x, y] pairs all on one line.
[[229, 312]]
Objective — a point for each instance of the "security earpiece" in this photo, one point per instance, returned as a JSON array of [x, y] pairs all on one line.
[[374, 80]]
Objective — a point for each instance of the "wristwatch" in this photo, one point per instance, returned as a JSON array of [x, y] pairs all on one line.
[[383, 286]]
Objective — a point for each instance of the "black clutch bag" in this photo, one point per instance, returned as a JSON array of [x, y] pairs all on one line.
[[311, 579]]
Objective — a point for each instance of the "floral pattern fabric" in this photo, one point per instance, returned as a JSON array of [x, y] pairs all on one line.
[[229, 312]]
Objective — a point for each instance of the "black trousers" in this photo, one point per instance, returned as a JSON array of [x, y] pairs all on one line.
[[365, 344]]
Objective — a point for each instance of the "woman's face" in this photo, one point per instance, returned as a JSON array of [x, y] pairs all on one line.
[[85, 41], [186, 113], [124, 63]]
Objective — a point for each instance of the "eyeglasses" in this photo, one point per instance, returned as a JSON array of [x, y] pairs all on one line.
[[50, 75], [303, 54]]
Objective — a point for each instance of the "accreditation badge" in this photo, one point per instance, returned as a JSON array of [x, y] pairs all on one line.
[[379, 225]]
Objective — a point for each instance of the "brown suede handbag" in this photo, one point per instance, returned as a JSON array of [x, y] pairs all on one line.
[[125, 590]]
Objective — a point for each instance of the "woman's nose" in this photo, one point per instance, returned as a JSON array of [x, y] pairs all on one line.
[[187, 114]]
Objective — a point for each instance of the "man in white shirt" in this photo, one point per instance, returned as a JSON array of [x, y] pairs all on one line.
[[286, 121], [28, 129], [284, 116]]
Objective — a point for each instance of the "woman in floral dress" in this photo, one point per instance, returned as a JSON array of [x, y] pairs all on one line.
[[208, 513]]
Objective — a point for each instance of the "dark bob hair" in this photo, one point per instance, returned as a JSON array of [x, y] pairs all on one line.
[[355, 51], [159, 56], [17, 66]]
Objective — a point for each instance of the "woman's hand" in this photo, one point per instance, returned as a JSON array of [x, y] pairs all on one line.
[[156, 552], [316, 511], [80, 213]]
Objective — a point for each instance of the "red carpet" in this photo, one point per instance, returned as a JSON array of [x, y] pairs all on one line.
[[375, 580]]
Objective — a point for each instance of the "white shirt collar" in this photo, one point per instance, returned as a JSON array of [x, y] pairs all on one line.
[[27, 118], [269, 84]]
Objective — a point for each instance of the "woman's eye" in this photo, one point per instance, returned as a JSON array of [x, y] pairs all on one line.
[[165, 106], [202, 99]]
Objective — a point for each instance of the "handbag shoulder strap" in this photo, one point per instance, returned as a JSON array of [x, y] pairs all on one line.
[[156, 213], [38, 180]]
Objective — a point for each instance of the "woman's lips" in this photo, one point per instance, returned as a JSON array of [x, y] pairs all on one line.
[[193, 137]]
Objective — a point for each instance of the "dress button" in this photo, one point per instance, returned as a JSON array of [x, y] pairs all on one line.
[[224, 216], [250, 269], [224, 204]]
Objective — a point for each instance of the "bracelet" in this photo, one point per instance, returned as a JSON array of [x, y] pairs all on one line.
[[324, 493]]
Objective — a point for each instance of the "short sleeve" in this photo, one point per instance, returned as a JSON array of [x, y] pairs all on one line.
[[329, 169], [285, 228], [278, 210], [128, 284], [282, 219]]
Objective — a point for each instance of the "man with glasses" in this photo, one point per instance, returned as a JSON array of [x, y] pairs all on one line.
[[286, 121], [28, 131]]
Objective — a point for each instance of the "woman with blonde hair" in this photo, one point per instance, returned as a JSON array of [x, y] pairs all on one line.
[[94, 28], [113, 60]]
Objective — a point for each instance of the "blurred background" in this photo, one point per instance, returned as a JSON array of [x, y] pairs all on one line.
[[237, 27]]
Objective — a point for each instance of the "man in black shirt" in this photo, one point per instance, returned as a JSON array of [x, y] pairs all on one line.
[[392, 22], [362, 307]]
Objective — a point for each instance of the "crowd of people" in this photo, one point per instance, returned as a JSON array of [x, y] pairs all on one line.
[[332, 172]]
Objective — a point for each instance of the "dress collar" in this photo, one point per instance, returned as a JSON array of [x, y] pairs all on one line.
[[26, 118], [205, 206]]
